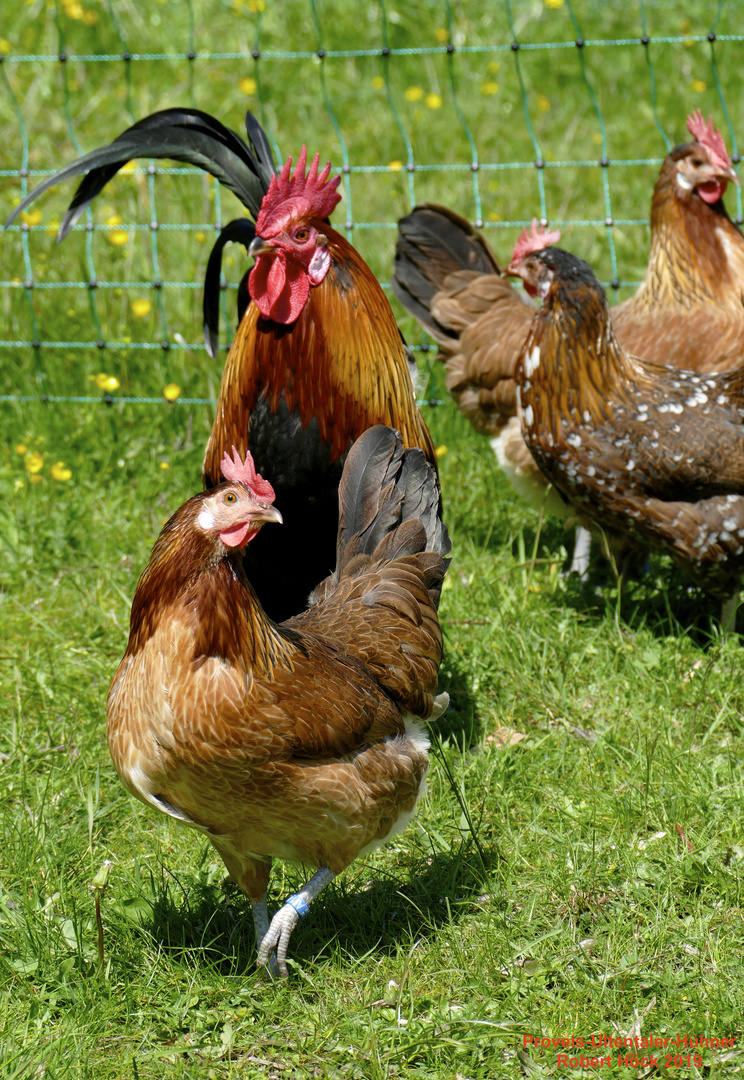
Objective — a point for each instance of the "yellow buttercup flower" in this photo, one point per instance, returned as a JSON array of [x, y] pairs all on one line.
[[378, 82], [414, 93], [395, 166], [164, 466], [21, 448], [34, 462], [141, 308], [441, 451], [106, 382], [59, 471], [697, 85], [247, 85], [118, 237], [171, 392], [442, 34], [490, 87], [433, 101], [31, 217]]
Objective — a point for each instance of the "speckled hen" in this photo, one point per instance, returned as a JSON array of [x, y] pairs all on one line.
[[649, 452], [302, 740]]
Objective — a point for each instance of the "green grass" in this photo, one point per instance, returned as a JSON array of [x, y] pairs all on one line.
[[568, 903]]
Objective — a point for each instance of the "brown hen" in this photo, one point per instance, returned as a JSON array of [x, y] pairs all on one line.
[[649, 452], [301, 740]]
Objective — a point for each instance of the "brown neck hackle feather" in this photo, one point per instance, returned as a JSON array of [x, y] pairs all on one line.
[[582, 369], [342, 362], [193, 577], [697, 253]]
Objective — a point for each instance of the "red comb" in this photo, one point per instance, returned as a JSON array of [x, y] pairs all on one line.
[[312, 194], [536, 240], [709, 137], [238, 471]]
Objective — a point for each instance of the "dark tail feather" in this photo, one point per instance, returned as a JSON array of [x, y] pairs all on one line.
[[389, 503], [187, 135], [434, 242], [242, 231]]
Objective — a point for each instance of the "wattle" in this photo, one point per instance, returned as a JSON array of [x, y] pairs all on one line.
[[238, 535], [711, 191], [279, 287]]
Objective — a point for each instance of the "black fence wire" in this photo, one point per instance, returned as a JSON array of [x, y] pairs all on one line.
[[542, 52]]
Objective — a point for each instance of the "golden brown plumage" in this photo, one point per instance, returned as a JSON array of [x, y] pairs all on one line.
[[651, 453], [342, 363], [299, 393], [689, 308], [294, 741]]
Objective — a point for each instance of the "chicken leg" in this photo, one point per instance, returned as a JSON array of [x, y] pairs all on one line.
[[278, 934]]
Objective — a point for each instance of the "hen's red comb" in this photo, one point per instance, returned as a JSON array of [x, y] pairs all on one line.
[[709, 137], [535, 240], [238, 471], [314, 193]]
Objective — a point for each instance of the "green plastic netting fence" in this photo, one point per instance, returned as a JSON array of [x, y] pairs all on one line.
[[502, 109]]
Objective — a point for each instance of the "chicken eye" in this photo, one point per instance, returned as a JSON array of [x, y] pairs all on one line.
[[302, 235], [231, 497]]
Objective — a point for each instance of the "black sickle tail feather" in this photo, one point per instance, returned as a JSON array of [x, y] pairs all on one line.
[[242, 231], [387, 495], [193, 137], [187, 135], [432, 243]]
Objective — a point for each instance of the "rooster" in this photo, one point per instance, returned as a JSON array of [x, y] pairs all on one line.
[[301, 740], [317, 358], [688, 310], [652, 453]]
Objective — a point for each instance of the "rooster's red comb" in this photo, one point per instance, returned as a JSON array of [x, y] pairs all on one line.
[[709, 137], [312, 194], [535, 240], [238, 471]]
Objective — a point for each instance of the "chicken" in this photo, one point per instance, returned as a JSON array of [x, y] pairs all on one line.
[[302, 740], [687, 312], [317, 358], [650, 452]]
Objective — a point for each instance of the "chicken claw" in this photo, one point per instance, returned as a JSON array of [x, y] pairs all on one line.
[[286, 919], [278, 935]]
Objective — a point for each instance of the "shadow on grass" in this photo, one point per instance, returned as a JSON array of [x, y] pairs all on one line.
[[662, 600], [655, 594], [206, 925]]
